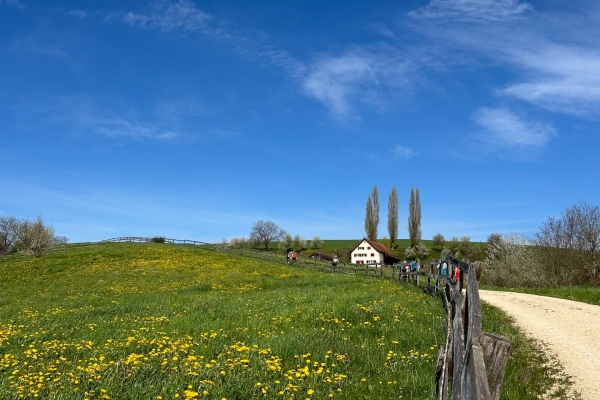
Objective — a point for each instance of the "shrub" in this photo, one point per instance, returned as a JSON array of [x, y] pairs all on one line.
[[438, 242], [158, 239]]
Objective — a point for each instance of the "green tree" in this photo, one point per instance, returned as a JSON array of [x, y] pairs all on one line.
[[392, 224], [414, 217], [438, 242]]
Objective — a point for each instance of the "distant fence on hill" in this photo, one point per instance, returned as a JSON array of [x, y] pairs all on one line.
[[139, 239]]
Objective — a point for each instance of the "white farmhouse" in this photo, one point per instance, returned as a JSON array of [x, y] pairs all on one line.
[[370, 252]]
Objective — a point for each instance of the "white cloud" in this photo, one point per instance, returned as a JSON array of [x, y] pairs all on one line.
[[184, 16], [402, 152], [472, 10], [13, 3], [562, 79], [359, 75], [553, 59], [503, 128]]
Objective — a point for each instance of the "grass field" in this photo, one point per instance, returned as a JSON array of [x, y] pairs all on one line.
[[144, 321], [154, 321]]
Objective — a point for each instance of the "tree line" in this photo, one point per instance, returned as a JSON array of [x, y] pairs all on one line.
[[263, 233], [30, 238], [564, 252]]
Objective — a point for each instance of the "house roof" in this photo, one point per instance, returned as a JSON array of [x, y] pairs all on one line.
[[380, 248]]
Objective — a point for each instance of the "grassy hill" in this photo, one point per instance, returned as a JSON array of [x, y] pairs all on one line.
[[155, 321]]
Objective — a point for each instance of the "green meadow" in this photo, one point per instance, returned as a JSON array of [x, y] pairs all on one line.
[[156, 321]]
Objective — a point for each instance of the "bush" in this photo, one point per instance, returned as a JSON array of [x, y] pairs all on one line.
[[158, 239], [513, 262], [438, 242], [417, 252], [34, 238], [316, 243]]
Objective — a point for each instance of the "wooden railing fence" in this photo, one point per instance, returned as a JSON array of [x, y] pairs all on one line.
[[471, 363]]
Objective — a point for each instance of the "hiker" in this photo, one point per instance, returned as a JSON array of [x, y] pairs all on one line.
[[335, 262], [444, 268], [293, 256], [456, 274], [287, 257]]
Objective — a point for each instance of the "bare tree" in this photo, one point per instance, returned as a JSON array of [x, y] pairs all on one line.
[[392, 224], [588, 234], [414, 217], [264, 232], [569, 246], [9, 227]]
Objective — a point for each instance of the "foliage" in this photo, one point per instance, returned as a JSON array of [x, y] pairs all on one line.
[[418, 252], [316, 243], [438, 242], [414, 217], [393, 205], [286, 243], [514, 262], [372, 214], [299, 243], [34, 238], [264, 232], [158, 239]]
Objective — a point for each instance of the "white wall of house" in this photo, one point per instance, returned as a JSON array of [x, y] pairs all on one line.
[[365, 254]]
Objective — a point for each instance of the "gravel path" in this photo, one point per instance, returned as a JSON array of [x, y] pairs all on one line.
[[569, 328]]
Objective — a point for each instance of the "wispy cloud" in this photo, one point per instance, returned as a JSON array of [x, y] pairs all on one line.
[[183, 16], [403, 152], [502, 128], [357, 76], [554, 59], [83, 116], [13, 3], [472, 10]]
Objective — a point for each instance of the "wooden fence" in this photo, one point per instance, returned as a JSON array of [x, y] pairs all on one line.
[[471, 363], [138, 239]]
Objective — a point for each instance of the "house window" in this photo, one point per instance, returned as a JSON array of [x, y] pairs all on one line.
[[368, 248], [372, 254]]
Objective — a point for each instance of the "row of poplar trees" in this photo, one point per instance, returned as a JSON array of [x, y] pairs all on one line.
[[414, 216]]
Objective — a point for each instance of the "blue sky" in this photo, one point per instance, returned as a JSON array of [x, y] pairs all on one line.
[[192, 120]]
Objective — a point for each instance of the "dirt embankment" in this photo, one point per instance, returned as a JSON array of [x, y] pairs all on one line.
[[570, 330]]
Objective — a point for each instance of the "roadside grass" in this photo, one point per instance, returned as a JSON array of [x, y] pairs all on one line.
[[589, 294], [530, 373], [155, 321]]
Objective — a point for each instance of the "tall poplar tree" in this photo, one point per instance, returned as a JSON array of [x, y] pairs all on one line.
[[393, 216], [375, 217], [414, 217], [372, 214]]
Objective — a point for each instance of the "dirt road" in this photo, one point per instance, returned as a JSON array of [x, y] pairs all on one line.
[[570, 330]]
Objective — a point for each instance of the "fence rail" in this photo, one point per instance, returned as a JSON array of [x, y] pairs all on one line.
[[472, 363], [140, 239]]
